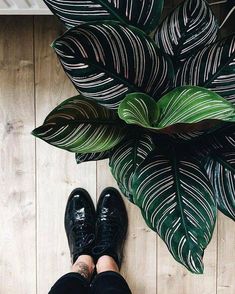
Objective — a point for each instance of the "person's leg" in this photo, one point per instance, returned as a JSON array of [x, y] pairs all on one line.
[[106, 263], [108, 279], [77, 281], [84, 266], [79, 223]]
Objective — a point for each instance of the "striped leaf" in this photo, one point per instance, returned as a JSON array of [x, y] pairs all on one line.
[[213, 67], [105, 61], [91, 156], [125, 158], [81, 125], [142, 14], [220, 167], [222, 137], [177, 201], [190, 26], [183, 109]]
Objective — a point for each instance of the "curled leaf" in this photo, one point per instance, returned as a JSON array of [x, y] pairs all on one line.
[[183, 109]]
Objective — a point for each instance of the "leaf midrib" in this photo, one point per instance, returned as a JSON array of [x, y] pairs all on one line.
[[112, 11], [87, 121], [213, 77], [178, 188], [114, 75], [180, 41]]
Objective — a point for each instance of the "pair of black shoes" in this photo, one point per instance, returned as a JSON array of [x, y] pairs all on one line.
[[96, 233]]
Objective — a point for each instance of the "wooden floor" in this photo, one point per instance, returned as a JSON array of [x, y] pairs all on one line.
[[36, 179]]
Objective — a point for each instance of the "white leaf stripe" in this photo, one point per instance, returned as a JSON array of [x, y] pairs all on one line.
[[187, 136], [190, 26], [221, 171], [82, 126], [140, 13], [195, 108], [177, 201], [108, 60], [125, 157], [213, 67]]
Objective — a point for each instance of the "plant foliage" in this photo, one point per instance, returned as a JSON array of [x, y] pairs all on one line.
[[179, 206], [176, 111], [81, 125], [107, 60], [160, 108], [189, 27], [142, 14], [213, 67]]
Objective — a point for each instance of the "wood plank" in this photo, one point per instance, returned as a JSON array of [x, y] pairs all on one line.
[[17, 160], [57, 171], [22, 4], [139, 264], [174, 278], [226, 255]]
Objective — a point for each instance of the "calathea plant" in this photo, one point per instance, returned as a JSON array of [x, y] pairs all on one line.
[[160, 108]]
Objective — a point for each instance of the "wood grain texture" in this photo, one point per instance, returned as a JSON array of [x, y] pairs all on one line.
[[57, 171], [139, 264], [148, 266], [17, 158], [226, 255], [174, 278]]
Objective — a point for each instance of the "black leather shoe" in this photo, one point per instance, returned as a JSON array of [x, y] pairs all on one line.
[[111, 226], [79, 221]]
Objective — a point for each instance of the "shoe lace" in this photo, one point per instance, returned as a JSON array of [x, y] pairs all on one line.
[[82, 239], [107, 235]]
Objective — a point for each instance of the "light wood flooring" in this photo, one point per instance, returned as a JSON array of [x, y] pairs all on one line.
[[36, 179]]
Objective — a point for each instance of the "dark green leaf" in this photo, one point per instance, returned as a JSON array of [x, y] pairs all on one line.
[[91, 156], [81, 125], [125, 158], [142, 14], [220, 167], [212, 67], [105, 61], [222, 137], [190, 26], [177, 201]]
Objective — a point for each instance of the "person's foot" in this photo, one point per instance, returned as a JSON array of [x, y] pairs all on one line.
[[79, 223], [111, 225]]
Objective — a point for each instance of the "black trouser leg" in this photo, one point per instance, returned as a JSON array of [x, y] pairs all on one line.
[[109, 283], [71, 283]]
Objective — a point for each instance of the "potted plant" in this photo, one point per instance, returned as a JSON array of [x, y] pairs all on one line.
[[159, 105]]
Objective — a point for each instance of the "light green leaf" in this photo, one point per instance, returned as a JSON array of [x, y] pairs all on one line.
[[177, 201], [182, 109], [139, 109], [142, 14], [81, 125]]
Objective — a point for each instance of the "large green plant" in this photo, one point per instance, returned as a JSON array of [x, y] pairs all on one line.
[[143, 104]]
